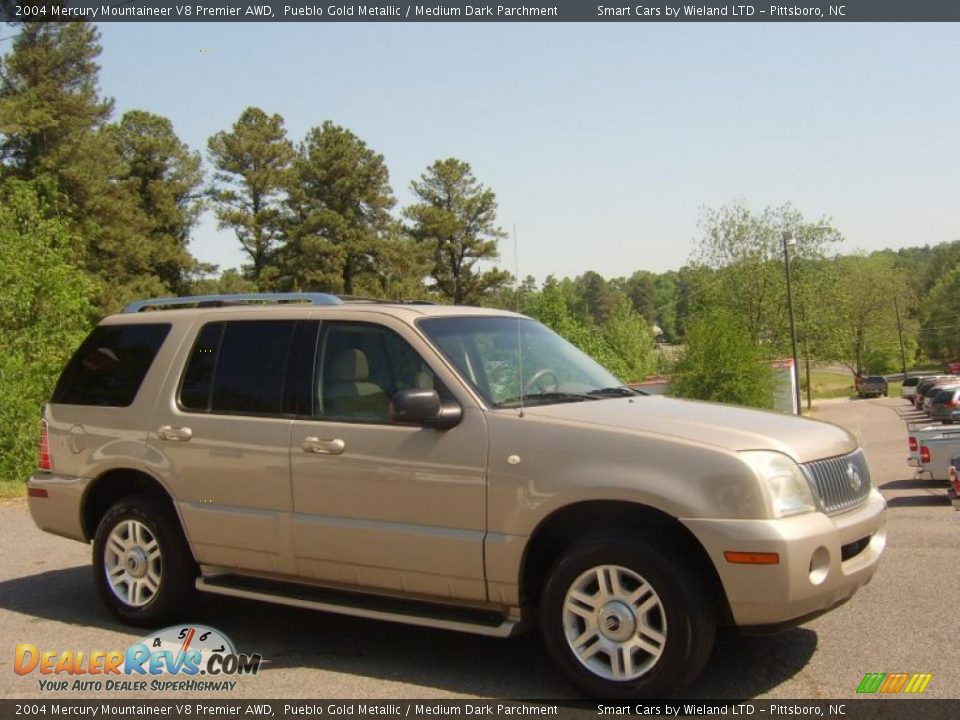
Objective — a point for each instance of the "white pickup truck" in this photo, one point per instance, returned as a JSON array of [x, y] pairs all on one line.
[[931, 449]]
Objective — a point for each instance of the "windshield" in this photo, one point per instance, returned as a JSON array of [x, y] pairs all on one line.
[[486, 352]]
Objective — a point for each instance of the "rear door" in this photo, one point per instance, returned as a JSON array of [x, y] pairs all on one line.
[[222, 437], [379, 504]]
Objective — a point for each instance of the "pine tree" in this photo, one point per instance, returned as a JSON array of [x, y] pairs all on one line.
[[253, 164], [339, 212], [456, 217], [166, 177]]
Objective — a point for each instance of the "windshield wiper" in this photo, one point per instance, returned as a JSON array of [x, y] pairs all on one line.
[[545, 397], [615, 391]]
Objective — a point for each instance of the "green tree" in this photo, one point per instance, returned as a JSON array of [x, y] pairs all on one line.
[[722, 363], [624, 344], [340, 213], [54, 124], [456, 216], [166, 176], [253, 164], [745, 252], [49, 96], [863, 305], [44, 314]]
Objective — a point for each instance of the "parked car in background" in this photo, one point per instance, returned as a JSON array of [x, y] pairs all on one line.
[[931, 449], [928, 397], [873, 386], [945, 404], [909, 387], [953, 368], [954, 490], [926, 385]]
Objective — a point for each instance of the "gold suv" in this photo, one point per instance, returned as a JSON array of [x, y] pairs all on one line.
[[451, 467]]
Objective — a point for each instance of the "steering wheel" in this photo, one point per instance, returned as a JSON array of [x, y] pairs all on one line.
[[537, 377]]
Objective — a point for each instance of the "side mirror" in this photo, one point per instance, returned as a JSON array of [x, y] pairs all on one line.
[[423, 407]]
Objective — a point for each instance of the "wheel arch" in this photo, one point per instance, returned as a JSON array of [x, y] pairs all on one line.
[[569, 524], [114, 485]]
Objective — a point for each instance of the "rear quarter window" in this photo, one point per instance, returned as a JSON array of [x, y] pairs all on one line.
[[108, 368]]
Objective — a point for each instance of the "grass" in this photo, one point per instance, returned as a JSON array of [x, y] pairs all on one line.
[[12, 488], [827, 384]]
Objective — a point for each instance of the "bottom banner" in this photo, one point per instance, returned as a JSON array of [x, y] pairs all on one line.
[[873, 709]]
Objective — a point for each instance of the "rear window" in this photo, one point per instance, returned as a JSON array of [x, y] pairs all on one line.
[[911, 382], [110, 365], [876, 379]]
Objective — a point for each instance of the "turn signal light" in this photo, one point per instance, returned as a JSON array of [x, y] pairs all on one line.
[[752, 558]]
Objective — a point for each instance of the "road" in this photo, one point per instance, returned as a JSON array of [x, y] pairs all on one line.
[[901, 622]]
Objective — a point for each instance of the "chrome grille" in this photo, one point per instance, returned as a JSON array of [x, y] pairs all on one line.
[[841, 482]]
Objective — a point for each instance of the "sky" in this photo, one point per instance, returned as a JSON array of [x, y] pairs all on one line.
[[603, 142]]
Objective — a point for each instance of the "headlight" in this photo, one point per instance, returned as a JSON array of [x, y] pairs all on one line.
[[786, 485]]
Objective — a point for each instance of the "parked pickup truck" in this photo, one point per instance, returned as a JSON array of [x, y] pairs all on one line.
[[954, 490], [931, 449]]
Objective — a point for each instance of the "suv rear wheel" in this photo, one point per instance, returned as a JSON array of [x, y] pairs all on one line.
[[623, 618], [142, 565]]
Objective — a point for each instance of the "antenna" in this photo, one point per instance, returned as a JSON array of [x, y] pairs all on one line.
[[516, 270]]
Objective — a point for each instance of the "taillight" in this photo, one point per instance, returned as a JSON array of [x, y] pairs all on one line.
[[953, 474], [955, 481], [952, 403], [924, 454], [46, 464], [913, 444]]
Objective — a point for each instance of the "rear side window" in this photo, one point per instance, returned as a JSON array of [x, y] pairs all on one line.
[[110, 365], [238, 368]]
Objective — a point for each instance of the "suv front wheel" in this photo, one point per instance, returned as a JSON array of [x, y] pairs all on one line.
[[623, 618], [142, 566]]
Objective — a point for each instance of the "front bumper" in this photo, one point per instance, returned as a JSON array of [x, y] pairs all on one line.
[[59, 511], [823, 561]]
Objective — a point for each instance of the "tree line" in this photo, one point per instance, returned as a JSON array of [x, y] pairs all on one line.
[[96, 211]]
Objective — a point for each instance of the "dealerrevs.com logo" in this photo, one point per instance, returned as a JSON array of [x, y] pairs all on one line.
[[179, 658]]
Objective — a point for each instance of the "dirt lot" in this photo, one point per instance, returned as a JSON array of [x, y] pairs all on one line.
[[901, 622]]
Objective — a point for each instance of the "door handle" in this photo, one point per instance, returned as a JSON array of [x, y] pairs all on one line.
[[178, 434], [323, 447]]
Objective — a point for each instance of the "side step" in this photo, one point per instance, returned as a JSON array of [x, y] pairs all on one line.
[[409, 612]]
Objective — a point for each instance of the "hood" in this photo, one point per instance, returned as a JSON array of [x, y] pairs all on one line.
[[726, 426]]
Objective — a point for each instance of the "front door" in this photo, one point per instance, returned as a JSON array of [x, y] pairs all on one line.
[[378, 504]]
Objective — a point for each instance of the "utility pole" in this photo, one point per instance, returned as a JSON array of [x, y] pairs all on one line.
[[903, 356], [787, 241]]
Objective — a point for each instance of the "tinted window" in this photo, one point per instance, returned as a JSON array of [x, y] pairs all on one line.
[[110, 365], [198, 379], [358, 369], [249, 368], [911, 382]]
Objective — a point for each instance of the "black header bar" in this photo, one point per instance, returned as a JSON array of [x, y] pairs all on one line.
[[461, 11]]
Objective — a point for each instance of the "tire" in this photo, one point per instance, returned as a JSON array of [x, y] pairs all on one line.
[[675, 632], [141, 542]]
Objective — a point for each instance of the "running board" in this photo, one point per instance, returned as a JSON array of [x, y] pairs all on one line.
[[409, 612]]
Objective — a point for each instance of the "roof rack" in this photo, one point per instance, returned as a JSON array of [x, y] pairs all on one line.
[[382, 301], [235, 299]]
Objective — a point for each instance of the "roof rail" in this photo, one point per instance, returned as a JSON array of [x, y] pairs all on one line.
[[382, 301], [238, 298]]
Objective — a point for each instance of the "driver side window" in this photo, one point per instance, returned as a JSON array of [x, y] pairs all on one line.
[[359, 367]]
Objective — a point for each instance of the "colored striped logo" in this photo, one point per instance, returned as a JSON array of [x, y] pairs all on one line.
[[914, 683]]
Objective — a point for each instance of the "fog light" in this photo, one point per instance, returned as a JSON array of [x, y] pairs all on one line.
[[819, 565]]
